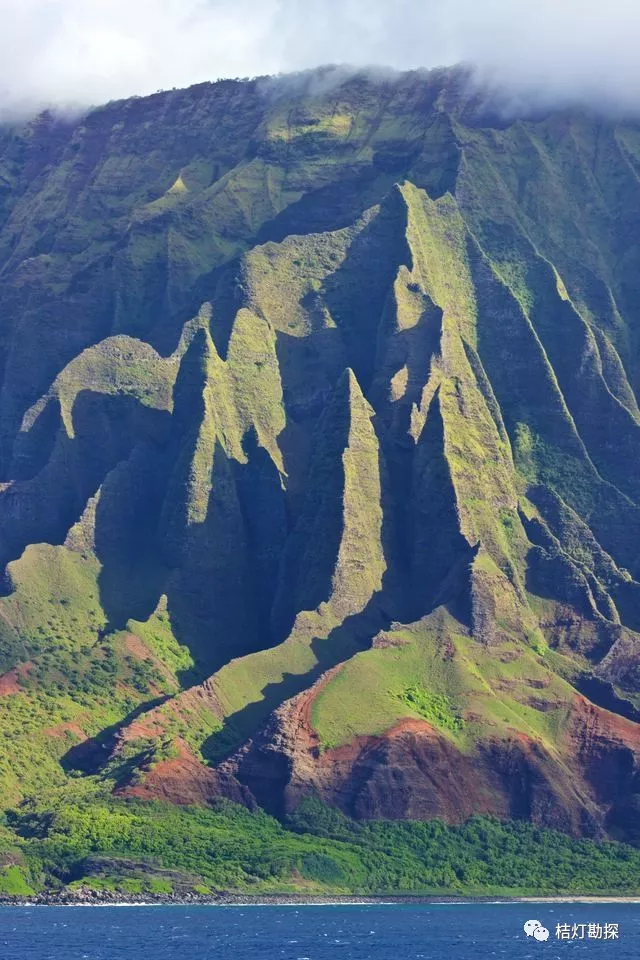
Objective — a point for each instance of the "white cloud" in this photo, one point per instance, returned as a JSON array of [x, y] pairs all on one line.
[[88, 51]]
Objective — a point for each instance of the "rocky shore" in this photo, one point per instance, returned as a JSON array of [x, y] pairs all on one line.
[[87, 897], [101, 898]]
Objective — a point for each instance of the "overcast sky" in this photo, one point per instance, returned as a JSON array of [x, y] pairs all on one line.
[[83, 52]]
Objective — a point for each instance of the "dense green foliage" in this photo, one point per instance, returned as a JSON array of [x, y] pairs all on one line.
[[433, 707], [134, 846]]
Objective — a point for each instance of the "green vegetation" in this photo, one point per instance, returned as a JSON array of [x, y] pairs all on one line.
[[156, 632], [13, 882], [435, 671], [135, 847], [435, 708]]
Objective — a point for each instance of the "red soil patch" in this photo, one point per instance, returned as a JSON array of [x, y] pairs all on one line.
[[590, 722], [61, 728], [10, 681], [353, 749], [185, 781], [147, 726], [136, 646]]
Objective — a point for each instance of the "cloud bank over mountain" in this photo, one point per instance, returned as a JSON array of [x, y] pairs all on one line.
[[79, 52]]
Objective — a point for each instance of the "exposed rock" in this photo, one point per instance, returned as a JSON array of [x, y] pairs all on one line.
[[412, 771], [185, 781]]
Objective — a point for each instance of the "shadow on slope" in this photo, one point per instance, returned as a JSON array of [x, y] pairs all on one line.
[[352, 635], [89, 756]]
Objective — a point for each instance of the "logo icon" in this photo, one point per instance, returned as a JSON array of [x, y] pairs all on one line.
[[533, 928]]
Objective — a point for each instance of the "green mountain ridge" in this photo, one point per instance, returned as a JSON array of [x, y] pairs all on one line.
[[318, 433]]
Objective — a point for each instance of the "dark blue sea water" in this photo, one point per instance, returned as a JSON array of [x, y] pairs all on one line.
[[378, 932]]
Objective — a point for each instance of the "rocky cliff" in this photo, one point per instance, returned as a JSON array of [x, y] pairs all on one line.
[[319, 446]]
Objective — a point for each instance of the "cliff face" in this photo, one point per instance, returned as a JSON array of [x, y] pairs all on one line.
[[319, 446]]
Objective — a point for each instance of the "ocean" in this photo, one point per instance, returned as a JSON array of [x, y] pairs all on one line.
[[342, 932]]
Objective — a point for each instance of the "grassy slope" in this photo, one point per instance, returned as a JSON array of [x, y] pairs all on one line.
[[378, 687]]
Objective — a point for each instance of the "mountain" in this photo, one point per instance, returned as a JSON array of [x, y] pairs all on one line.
[[319, 442]]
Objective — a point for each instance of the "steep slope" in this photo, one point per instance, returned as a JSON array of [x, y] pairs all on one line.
[[319, 436]]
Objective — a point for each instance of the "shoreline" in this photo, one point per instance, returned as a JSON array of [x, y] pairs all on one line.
[[112, 899]]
